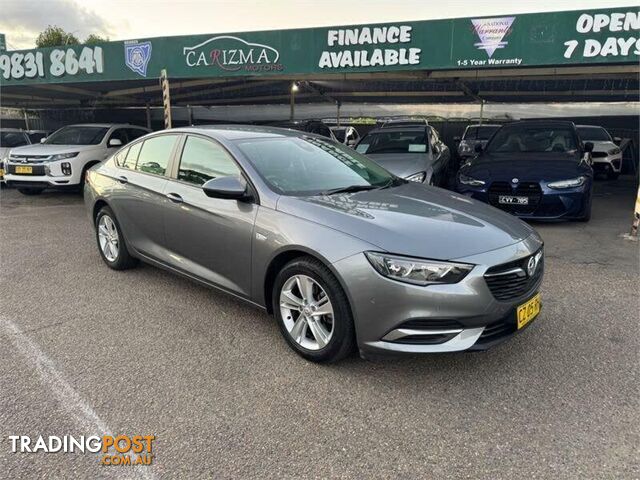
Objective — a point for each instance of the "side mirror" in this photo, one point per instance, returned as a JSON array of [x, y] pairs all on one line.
[[43, 139], [456, 139], [477, 148], [115, 142], [230, 188], [351, 143], [617, 139], [588, 147]]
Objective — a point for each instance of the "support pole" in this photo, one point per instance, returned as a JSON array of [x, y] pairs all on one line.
[[26, 119], [292, 112], [148, 112], [190, 114], [481, 110], [166, 98], [338, 105]]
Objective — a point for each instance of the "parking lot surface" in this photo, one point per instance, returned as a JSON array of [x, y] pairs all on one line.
[[84, 350]]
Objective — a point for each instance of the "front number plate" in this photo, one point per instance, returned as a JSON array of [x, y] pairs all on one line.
[[24, 170], [507, 200], [528, 311]]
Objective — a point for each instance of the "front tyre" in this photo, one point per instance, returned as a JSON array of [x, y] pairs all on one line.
[[111, 244], [313, 311]]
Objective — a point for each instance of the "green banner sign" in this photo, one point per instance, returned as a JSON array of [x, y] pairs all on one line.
[[541, 39]]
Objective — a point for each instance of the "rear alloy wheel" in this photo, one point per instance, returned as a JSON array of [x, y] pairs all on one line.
[[31, 191], [313, 311], [113, 249]]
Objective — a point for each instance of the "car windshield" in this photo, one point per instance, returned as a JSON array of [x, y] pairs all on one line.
[[394, 141], [480, 132], [533, 138], [77, 136], [12, 139], [594, 134], [303, 166]]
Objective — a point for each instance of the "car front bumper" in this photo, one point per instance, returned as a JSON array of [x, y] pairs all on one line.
[[396, 317], [43, 175], [565, 204], [610, 163]]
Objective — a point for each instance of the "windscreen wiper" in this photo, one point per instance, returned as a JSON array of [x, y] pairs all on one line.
[[349, 189]]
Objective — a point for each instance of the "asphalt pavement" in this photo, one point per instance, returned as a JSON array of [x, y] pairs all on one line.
[[86, 350]]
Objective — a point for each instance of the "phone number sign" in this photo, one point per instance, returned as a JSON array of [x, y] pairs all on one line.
[[57, 63]]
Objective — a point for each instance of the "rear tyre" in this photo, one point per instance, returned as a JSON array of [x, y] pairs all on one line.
[[111, 244], [31, 191], [313, 311]]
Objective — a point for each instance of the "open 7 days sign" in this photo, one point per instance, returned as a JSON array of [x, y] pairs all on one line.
[[605, 36]]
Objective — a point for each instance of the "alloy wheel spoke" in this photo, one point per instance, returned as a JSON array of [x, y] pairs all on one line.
[[102, 230], [299, 329], [319, 333], [290, 301], [324, 307], [305, 285]]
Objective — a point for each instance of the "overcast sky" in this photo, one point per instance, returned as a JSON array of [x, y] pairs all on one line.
[[22, 20]]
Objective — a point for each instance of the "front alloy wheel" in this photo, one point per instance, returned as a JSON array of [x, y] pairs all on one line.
[[307, 312], [313, 311]]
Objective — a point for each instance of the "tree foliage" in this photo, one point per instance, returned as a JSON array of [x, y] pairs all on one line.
[[93, 39], [54, 36]]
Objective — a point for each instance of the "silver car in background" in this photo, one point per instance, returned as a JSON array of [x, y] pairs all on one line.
[[411, 151], [339, 250]]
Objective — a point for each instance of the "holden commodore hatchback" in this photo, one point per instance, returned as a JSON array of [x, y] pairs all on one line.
[[343, 253]]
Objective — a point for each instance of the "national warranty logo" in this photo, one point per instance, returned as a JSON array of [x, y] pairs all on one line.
[[491, 32], [137, 56]]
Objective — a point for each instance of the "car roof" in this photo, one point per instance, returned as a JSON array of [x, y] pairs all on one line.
[[106, 125], [590, 126], [8, 129], [542, 122], [400, 128], [484, 125], [238, 132]]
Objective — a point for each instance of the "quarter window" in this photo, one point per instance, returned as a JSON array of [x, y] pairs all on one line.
[[203, 160], [121, 156], [155, 154], [131, 157]]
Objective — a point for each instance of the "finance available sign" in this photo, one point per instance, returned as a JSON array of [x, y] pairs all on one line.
[[602, 36]]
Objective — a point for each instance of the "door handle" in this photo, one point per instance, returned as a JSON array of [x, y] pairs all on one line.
[[174, 197], [123, 179]]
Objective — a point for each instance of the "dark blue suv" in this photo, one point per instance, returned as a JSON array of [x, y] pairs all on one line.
[[534, 169]]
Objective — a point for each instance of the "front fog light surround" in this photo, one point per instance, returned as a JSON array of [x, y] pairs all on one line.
[[467, 180], [417, 271], [66, 168], [570, 183], [417, 177]]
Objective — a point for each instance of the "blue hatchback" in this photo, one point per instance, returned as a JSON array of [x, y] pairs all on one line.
[[533, 169]]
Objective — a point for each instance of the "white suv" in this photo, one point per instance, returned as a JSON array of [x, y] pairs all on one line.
[[606, 155], [62, 159]]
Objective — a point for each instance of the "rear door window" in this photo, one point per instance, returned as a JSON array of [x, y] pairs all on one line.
[[155, 154], [131, 157], [203, 160]]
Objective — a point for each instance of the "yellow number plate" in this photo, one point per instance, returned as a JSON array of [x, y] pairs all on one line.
[[27, 170], [528, 311]]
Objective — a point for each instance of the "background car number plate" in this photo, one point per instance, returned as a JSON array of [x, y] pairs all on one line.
[[513, 200], [528, 311], [27, 170]]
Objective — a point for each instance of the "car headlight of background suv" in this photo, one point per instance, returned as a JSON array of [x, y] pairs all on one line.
[[417, 177], [63, 156], [464, 146], [417, 271], [467, 180], [570, 183], [614, 151]]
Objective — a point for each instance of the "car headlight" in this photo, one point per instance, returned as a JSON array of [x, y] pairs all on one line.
[[416, 271], [614, 151], [570, 183], [63, 156], [467, 180], [417, 177]]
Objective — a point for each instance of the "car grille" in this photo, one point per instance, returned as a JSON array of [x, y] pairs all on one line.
[[35, 170], [598, 154], [531, 190], [510, 280], [29, 158]]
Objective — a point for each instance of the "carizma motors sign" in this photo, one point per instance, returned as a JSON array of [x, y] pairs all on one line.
[[232, 54]]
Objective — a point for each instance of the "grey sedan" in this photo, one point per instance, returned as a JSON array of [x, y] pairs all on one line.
[[341, 252]]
